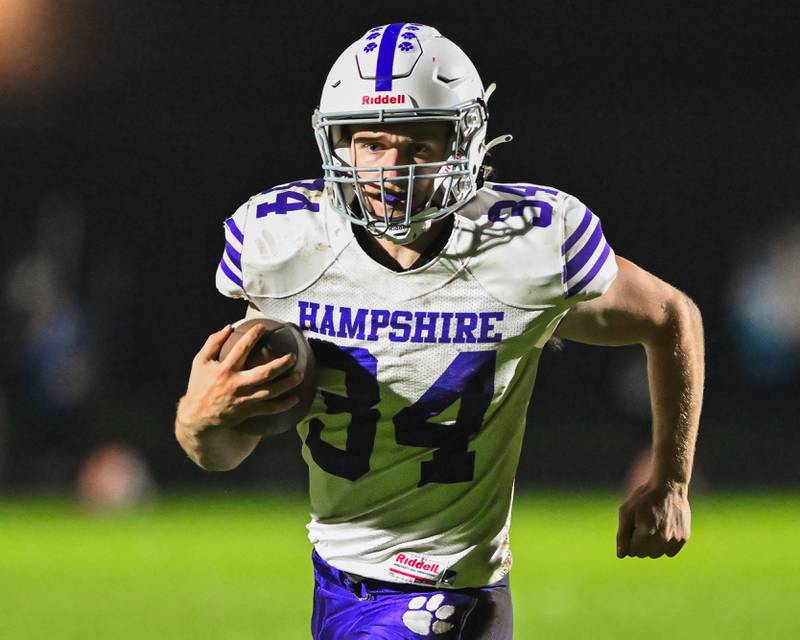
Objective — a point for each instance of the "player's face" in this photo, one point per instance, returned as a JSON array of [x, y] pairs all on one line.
[[398, 144]]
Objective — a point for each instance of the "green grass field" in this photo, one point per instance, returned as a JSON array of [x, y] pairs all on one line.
[[237, 567]]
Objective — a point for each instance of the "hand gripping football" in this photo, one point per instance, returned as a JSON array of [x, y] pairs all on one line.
[[279, 339]]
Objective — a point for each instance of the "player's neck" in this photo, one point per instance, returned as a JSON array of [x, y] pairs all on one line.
[[405, 256]]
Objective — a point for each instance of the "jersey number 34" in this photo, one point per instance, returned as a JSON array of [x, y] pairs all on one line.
[[470, 377]]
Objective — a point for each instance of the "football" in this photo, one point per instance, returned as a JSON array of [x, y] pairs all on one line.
[[279, 339]]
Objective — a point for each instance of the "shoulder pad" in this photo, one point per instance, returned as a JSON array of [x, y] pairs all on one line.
[[288, 240], [513, 241]]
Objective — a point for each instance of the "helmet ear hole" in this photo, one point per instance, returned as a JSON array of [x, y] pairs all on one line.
[[340, 135], [342, 154]]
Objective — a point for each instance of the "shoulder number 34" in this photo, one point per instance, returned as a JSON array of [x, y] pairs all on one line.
[[470, 377]]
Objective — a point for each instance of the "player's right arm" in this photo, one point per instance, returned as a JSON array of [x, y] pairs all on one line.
[[220, 395], [639, 308]]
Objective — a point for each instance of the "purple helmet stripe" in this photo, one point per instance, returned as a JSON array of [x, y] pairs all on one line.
[[592, 272], [383, 71], [234, 230], [230, 273], [587, 218]]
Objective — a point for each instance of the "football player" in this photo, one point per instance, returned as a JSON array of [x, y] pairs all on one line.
[[428, 293]]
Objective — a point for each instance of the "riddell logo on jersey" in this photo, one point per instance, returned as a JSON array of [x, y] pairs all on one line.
[[417, 563], [413, 568], [384, 99]]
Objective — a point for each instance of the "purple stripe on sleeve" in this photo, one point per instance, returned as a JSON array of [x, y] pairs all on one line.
[[234, 255], [383, 71], [229, 272], [587, 218], [579, 260], [592, 272], [235, 230]]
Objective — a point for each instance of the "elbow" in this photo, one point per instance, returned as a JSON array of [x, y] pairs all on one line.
[[203, 455], [211, 463], [686, 316], [216, 466], [679, 320]]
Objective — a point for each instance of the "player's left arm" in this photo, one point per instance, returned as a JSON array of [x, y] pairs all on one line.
[[639, 308]]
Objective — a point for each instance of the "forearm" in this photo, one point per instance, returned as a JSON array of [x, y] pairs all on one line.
[[213, 448], [675, 363]]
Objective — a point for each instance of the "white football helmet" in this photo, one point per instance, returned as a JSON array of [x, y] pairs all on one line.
[[403, 72]]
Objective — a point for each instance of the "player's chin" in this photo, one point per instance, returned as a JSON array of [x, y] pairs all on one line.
[[393, 214], [394, 209]]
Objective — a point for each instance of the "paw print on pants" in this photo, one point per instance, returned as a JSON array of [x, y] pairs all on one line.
[[428, 615]]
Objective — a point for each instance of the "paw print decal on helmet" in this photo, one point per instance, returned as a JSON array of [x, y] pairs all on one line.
[[373, 35], [428, 616], [408, 35], [405, 46], [371, 46]]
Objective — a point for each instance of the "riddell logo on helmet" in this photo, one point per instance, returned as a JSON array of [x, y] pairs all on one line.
[[384, 99]]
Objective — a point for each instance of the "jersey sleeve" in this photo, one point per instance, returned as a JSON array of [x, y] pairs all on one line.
[[588, 262], [229, 272]]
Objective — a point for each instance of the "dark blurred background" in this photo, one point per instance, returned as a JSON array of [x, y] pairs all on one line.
[[130, 130]]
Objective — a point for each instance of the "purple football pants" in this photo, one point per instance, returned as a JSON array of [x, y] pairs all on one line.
[[346, 607]]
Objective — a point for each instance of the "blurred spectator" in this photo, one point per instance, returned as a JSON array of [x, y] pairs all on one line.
[[56, 364], [763, 299], [113, 478]]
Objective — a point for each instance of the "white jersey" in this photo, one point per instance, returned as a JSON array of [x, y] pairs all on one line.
[[425, 376]]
